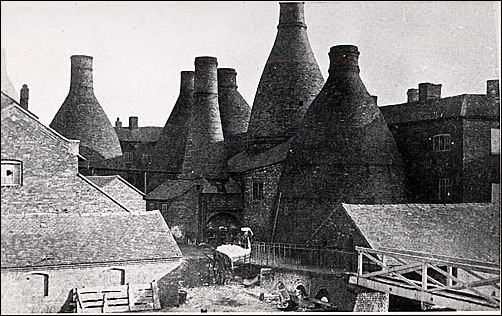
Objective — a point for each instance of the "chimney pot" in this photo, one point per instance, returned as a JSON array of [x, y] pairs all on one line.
[[118, 123], [133, 122], [412, 95], [492, 88], [343, 59], [429, 91], [291, 14], [25, 95]]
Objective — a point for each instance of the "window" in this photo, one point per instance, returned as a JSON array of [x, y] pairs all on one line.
[[11, 173], [128, 157], [113, 276], [164, 207], [495, 141], [39, 283], [152, 206], [257, 191], [444, 189], [145, 158], [441, 142]]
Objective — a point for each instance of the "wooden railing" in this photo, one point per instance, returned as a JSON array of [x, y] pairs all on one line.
[[430, 278], [302, 257], [119, 298]]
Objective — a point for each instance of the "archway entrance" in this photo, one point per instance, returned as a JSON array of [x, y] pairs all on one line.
[[222, 228]]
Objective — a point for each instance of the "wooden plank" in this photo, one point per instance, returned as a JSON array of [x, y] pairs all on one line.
[[99, 296], [117, 309], [401, 269], [142, 307], [113, 288]]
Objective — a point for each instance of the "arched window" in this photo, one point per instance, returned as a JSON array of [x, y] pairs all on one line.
[[39, 284]]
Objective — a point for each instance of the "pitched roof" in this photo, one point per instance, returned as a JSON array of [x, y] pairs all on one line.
[[246, 161], [468, 230], [171, 189], [144, 134], [465, 105], [46, 239], [103, 181]]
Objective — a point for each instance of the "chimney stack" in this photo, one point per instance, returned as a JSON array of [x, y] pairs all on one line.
[[25, 95], [412, 95], [234, 110], [118, 123], [133, 122], [492, 89], [290, 81], [375, 99], [7, 86], [207, 147], [170, 149], [82, 117], [344, 60], [429, 91]]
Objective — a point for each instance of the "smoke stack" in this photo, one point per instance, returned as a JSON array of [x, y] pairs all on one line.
[[118, 123], [290, 81], [343, 152], [492, 89], [7, 86], [133, 122], [82, 117], [170, 149], [25, 95], [207, 151], [412, 95], [234, 110], [428, 91]]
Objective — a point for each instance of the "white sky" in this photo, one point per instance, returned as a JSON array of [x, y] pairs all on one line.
[[139, 48]]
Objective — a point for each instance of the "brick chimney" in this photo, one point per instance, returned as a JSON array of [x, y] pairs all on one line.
[[25, 94], [118, 123], [133, 122], [492, 89], [412, 95], [429, 91], [205, 155]]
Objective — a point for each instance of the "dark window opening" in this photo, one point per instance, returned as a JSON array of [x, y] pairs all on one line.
[[441, 142], [444, 189], [258, 194], [11, 173]]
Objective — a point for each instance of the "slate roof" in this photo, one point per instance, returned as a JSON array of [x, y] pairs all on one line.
[[103, 181], [146, 134], [46, 239], [465, 105], [171, 189], [468, 230], [246, 161]]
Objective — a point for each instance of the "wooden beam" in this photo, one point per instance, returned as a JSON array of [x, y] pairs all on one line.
[[401, 269]]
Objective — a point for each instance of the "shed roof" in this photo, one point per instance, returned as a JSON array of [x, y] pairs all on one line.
[[146, 134], [171, 189], [246, 161], [468, 230], [47, 239], [103, 181]]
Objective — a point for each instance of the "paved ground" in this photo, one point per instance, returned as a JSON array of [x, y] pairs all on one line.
[[224, 298]]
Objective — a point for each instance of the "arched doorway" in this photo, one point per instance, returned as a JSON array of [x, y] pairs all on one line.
[[222, 228]]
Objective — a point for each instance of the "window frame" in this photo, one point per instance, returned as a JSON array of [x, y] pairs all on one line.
[[260, 192], [148, 158], [128, 157], [162, 207], [442, 144], [444, 186], [45, 283], [496, 131], [14, 162]]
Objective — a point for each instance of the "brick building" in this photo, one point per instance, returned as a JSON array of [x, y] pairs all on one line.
[[61, 230], [450, 145]]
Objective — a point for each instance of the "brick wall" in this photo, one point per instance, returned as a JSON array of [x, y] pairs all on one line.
[[481, 168], [259, 214], [22, 292], [50, 180], [346, 297]]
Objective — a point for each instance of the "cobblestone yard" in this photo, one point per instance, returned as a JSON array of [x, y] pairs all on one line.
[[224, 298]]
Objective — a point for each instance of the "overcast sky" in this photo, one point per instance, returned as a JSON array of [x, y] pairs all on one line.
[[139, 48]]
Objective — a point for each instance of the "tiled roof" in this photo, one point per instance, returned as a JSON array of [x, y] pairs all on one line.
[[103, 181], [56, 239], [246, 161], [465, 105], [171, 189], [468, 230], [144, 134]]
